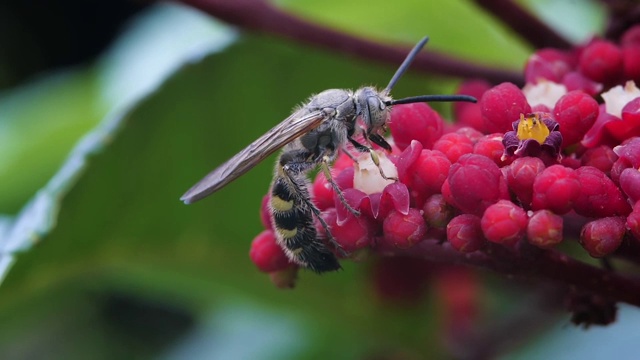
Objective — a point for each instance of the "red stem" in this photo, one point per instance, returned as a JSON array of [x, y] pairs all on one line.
[[259, 15], [547, 265], [525, 24]]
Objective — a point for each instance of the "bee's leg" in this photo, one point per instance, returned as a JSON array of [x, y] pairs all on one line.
[[350, 155], [293, 168], [377, 139], [327, 173]]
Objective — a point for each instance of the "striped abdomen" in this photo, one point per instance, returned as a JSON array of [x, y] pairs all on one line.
[[292, 219]]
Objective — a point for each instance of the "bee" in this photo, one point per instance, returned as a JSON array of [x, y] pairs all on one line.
[[313, 136]]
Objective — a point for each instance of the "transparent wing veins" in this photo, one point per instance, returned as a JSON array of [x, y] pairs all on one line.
[[296, 125]]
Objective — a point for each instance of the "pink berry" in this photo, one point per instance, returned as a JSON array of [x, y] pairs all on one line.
[[548, 64], [453, 145], [354, 233], [544, 229], [599, 196], [267, 254], [404, 231], [521, 175], [474, 183], [416, 121], [603, 236], [464, 232], [633, 221], [286, 278], [576, 81], [601, 61], [631, 63], [429, 172], [631, 37], [491, 146], [504, 223], [322, 192], [469, 114], [501, 106], [555, 189], [437, 212], [576, 112], [265, 213], [630, 184], [471, 133], [629, 152], [601, 157]]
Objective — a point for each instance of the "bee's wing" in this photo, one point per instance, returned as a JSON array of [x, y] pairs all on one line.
[[292, 127]]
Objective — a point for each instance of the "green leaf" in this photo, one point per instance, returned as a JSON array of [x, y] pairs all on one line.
[[120, 227]]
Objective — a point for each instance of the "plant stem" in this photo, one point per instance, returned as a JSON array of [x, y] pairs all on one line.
[[260, 15], [547, 265], [530, 28]]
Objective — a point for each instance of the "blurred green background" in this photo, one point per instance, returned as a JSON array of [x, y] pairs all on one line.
[[100, 260]]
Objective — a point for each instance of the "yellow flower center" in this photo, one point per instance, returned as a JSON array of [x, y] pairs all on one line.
[[530, 127]]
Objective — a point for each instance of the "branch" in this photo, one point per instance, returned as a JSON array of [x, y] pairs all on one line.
[[261, 16], [524, 24], [546, 265]]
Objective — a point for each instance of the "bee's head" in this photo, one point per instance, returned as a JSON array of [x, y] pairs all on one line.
[[372, 107]]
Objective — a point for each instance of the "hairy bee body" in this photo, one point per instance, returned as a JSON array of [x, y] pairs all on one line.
[[292, 210], [292, 219]]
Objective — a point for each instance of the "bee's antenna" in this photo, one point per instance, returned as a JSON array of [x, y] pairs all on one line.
[[427, 98], [405, 64]]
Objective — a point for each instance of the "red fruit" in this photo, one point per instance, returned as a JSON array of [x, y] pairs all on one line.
[[429, 172], [416, 121], [322, 192], [630, 184], [630, 124], [601, 157], [576, 112], [469, 114], [504, 223], [548, 64], [464, 232], [555, 189], [491, 146], [521, 175], [544, 229], [631, 37], [576, 81], [501, 106], [633, 221], [267, 254], [437, 212], [265, 213], [474, 183], [471, 133], [404, 231], [603, 236], [342, 162], [631, 63], [285, 279], [453, 145], [601, 61], [599, 133], [599, 196], [354, 233], [629, 152]]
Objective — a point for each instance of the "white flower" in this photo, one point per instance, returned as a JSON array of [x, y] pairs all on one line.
[[617, 97], [544, 92], [367, 178]]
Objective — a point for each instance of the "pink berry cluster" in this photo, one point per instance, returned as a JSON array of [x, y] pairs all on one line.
[[543, 164]]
